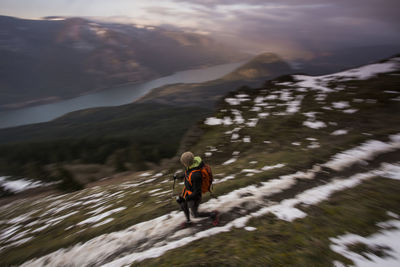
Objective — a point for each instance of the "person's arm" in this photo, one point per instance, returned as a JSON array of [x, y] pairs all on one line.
[[196, 182]]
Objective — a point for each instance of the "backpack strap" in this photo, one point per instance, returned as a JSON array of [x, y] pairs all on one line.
[[190, 176], [185, 191]]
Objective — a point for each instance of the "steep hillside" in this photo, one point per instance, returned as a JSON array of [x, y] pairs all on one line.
[[306, 173], [47, 60], [263, 67]]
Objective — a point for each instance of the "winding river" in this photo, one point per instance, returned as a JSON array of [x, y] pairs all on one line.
[[111, 97]]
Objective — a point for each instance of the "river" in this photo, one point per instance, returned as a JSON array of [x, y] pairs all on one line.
[[112, 97]]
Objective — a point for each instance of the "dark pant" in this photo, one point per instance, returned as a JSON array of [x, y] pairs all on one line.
[[193, 205]]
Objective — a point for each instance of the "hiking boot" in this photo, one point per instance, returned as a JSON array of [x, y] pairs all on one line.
[[215, 217], [186, 224]]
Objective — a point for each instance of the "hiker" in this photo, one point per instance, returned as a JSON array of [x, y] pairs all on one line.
[[190, 197]]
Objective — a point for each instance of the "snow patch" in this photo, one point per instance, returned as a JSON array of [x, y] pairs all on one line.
[[320, 83], [350, 111], [229, 161], [103, 222], [294, 106], [100, 216], [246, 139], [212, 121], [19, 185], [263, 115], [340, 104], [313, 145], [365, 151], [154, 190], [267, 168], [252, 122], [145, 174], [314, 124], [235, 101], [391, 171], [229, 177], [386, 238], [339, 132]]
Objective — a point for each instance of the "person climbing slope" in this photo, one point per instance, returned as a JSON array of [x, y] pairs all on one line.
[[197, 180]]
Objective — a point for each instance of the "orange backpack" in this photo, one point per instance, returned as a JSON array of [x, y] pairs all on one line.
[[207, 179]]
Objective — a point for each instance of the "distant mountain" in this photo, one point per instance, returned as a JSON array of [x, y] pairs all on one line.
[[56, 58], [261, 68]]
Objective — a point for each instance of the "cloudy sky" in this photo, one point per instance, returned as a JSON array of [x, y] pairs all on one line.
[[292, 27]]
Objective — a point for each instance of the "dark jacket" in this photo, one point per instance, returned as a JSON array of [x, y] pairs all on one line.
[[192, 180]]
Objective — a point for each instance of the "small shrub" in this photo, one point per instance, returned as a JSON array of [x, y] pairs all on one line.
[[68, 182]]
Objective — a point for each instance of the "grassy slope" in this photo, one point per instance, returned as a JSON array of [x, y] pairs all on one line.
[[305, 242], [378, 120], [371, 121]]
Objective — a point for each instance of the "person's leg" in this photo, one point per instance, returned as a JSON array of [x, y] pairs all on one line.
[[194, 207], [184, 207]]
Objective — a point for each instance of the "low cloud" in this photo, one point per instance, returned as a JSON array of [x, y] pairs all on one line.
[[299, 27]]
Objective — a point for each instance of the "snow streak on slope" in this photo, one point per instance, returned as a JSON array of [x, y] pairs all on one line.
[[388, 238], [366, 151], [100, 249], [320, 83], [19, 185]]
